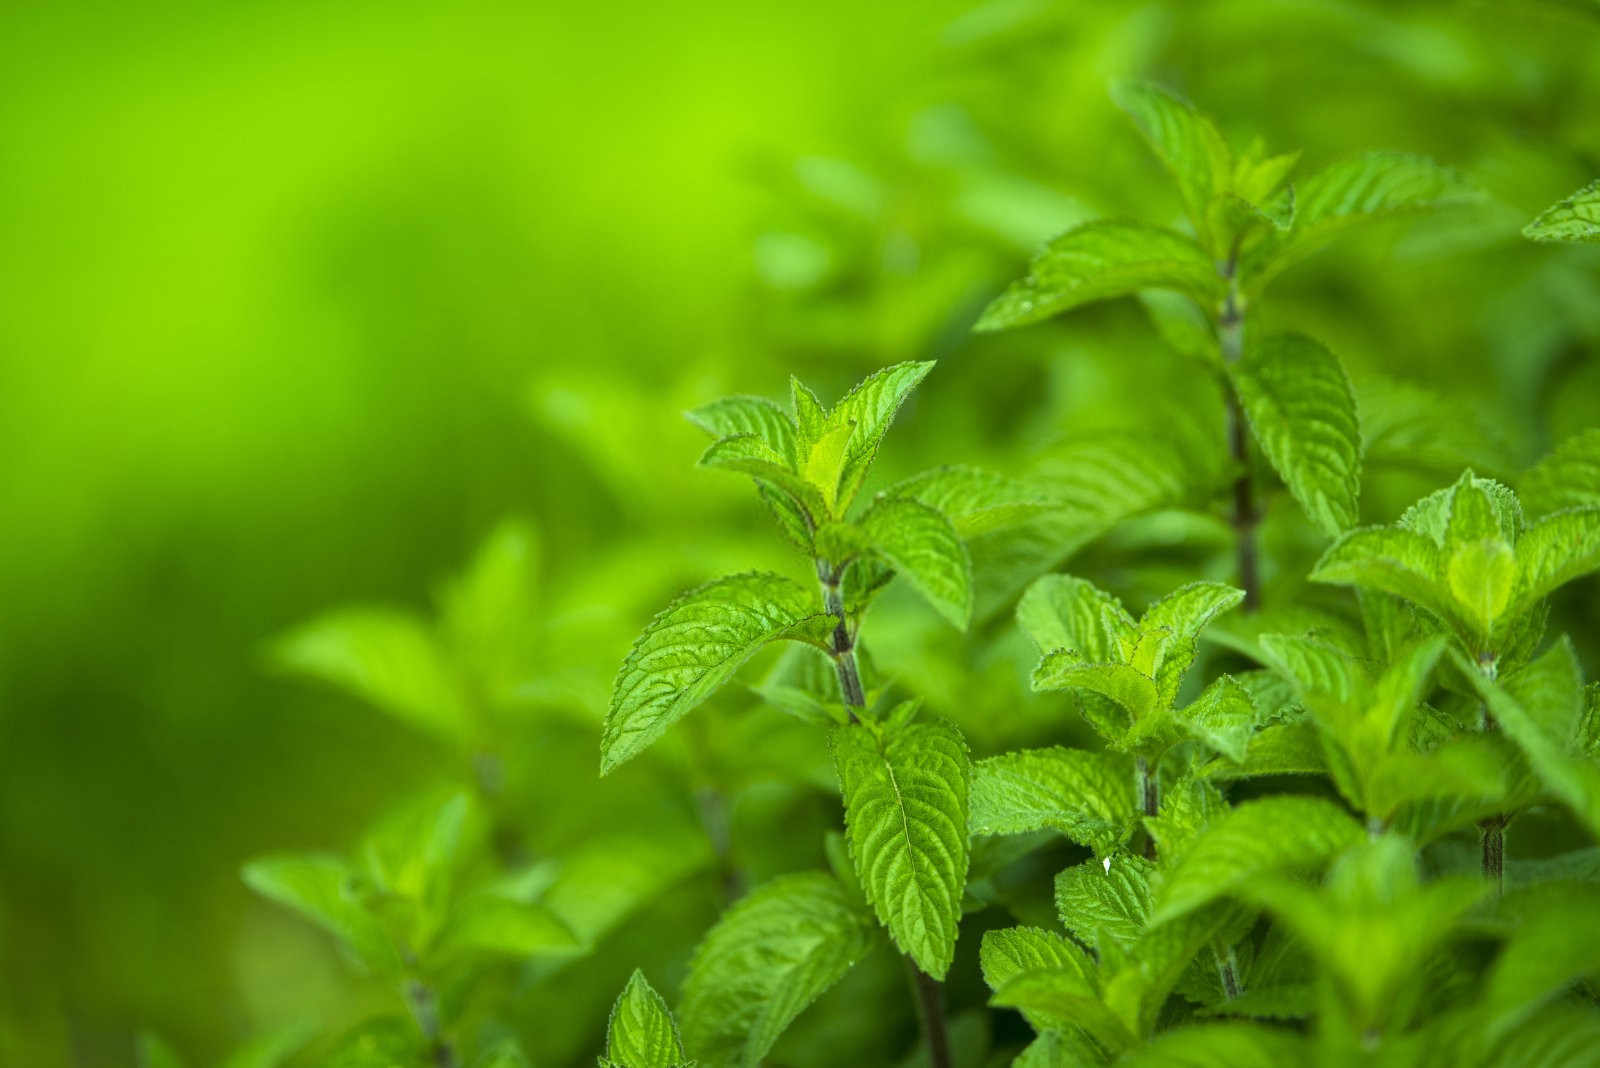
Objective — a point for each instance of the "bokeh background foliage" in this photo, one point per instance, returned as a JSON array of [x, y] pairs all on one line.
[[303, 302]]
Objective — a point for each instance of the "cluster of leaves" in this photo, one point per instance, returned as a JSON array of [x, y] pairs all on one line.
[[1283, 838]]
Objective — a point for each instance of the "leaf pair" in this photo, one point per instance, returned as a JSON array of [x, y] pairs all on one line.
[[1127, 672], [810, 464], [400, 904], [1464, 555], [1248, 223]]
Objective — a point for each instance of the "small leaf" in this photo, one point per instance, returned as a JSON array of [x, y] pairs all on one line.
[[1303, 413], [1128, 688], [1106, 905], [1567, 477], [1098, 261], [1185, 140], [906, 815], [642, 1033], [1169, 628], [869, 408], [499, 926], [1062, 612], [1255, 839], [749, 455], [1224, 717], [735, 416], [1554, 946], [921, 544], [692, 647], [1009, 952], [771, 955], [1576, 218], [1063, 999], [322, 888], [1086, 796]]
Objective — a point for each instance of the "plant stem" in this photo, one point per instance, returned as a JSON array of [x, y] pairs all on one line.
[[929, 991], [425, 1010], [930, 1009], [1149, 790], [1228, 969], [1230, 335], [1492, 829]]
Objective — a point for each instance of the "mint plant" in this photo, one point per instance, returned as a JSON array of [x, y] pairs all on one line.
[[1248, 223]]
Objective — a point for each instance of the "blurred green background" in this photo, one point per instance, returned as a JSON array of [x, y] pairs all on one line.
[[301, 300]]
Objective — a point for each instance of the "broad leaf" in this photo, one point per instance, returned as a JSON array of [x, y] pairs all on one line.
[[1373, 186], [1062, 612], [1391, 560], [1106, 905], [324, 890], [922, 545], [641, 1033], [1577, 218], [694, 646], [906, 814], [1255, 839], [1062, 998], [1100, 260], [1008, 952], [770, 956], [390, 659], [1086, 796], [1553, 552], [1224, 717], [748, 454], [1303, 413], [974, 500]]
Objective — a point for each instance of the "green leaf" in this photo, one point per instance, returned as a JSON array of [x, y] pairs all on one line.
[[1538, 708], [1183, 325], [736, 416], [1255, 839], [1391, 560], [868, 409], [1086, 796], [770, 956], [1062, 998], [1373, 186], [1552, 947], [906, 815], [1062, 612], [921, 544], [1373, 924], [1128, 688], [1567, 477], [499, 926], [1106, 905], [270, 1050], [1576, 218], [692, 647], [1302, 412], [642, 1033], [747, 454], [1554, 551], [1098, 261], [506, 1053], [810, 417], [323, 889], [1221, 1045], [1169, 628], [1008, 952], [1223, 717], [390, 659], [1186, 142], [490, 613], [974, 500]]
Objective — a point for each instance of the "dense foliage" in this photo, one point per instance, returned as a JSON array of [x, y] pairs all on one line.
[[1161, 632]]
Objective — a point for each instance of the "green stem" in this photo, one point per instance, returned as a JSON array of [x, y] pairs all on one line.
[[1148, 789], [929, 991], [425, 1010], [1492, 830]]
